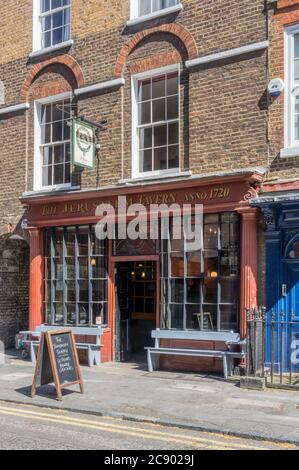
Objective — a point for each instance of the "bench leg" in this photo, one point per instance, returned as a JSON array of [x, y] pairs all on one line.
[[98, 359], [225, 375], [149, 361], [90, 358], [230, 366]]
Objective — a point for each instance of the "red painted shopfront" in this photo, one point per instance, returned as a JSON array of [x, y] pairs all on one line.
[[218, 195]]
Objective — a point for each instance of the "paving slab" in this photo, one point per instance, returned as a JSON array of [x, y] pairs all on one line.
[[199, 401]]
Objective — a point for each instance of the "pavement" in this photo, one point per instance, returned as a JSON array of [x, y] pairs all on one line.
[[51, 429], [184, 400]]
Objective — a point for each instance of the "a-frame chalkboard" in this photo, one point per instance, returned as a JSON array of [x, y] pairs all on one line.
[[57, 362]]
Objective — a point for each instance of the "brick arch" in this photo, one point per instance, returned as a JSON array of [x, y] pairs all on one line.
[[174, 29], [66, 60]]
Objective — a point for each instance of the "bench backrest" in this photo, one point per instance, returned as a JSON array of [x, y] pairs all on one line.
[[196, 335], [77, 330]]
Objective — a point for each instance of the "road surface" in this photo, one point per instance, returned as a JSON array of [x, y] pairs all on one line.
[[30, 427]]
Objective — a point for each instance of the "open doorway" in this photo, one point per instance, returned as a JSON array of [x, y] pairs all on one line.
[[136, 303]]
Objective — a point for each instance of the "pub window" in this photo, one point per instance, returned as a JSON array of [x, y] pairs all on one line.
[[292, 91], [51, 23], [146, 7], [156, 123], [75, 277], [52, 143], [200, 289]]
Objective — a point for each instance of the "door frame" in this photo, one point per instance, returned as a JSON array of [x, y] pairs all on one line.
[[111, 296]]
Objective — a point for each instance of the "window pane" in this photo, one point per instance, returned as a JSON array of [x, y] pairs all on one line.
[[99, 289], [228, 318], [173, 133], [70, 268], [177, 264], [158, 87], [83, 291], [144, 90], [71, 313], [193, 317], [160, 135], [83, 314], [46, 23], [145, 137], [58, 313], [172, 107], [296, 46], [229, 264], [160, 159], [145, 163], [176, 316], [70, 241], [210, 317], [145, 113], [58, 153], [159, 110], [83, 267], [47, 176], [46, 133], [172, 84], [57, 131], [71, 291], [177, 290], [45, 5], [98, 267], [210, 290], [57, 36], [193, 291], [211, 264], [173, 156], [144, 7], [211, 236], [98, 313], [58, 174], [46, 39], [55, 4], [194, 267], [47, 156], [229, 290], [82, 240]]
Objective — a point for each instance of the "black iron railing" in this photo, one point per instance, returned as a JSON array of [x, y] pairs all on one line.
[[273, 346]]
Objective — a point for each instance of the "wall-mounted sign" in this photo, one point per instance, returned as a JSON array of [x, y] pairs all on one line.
[[84, 144]]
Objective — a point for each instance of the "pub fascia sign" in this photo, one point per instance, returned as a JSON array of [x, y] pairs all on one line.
[[84, 144]]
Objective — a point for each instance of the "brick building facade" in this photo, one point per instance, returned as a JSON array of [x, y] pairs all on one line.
[[219, 52]]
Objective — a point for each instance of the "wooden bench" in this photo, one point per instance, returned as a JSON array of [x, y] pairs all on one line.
[[93, 349], [227, 356]]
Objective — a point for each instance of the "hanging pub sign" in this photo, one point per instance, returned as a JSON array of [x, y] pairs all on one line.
[[84, 144], [57, 362]]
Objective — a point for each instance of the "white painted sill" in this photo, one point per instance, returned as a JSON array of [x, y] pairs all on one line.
[[164, 176], [289, 152], [49, 50], [157, 14]]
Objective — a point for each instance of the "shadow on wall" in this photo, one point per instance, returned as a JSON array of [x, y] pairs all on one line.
[[14, 286]]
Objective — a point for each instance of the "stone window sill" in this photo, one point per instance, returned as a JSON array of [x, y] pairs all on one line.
[[289, 152], [155, 15], [50, 50]]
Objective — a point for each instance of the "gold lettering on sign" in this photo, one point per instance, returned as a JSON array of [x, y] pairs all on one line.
[[214, 193], [49, 210]]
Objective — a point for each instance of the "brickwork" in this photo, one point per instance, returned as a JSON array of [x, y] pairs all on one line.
[[14, 260], [281, 15], [222, 105]]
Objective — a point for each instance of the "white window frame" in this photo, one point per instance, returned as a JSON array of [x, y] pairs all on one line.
[[37, 174], [290, 88], [135, 18], [37, 48], [135, 142]]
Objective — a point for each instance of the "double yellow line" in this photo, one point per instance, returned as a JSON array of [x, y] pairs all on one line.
[[213, 442]]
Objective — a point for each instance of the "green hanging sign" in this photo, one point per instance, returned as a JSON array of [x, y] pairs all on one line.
[[84, 144]]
